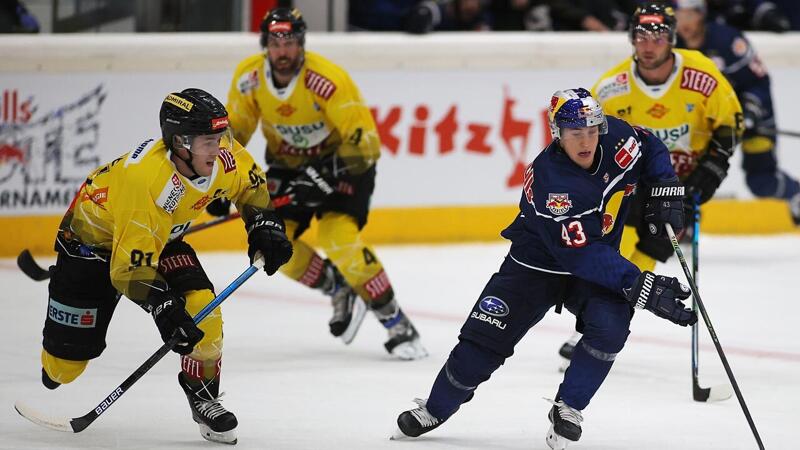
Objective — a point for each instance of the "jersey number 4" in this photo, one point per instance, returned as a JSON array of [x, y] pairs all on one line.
[[573, 229]]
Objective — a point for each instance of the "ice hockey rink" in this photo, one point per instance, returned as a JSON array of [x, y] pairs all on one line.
[[293, 386]]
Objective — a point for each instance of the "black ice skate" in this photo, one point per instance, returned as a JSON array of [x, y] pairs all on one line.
[[216, 423], [415, 422], [348, 308], [566, 350], [565, 425], [404, 342]]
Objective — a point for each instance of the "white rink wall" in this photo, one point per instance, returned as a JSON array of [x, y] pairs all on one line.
[[459, 113]]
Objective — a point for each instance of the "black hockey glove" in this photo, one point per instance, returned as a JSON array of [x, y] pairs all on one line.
[[311, 187], [664, 205], [662, 296], [169, 313], [266, 234], [220, 207], [711, 169]]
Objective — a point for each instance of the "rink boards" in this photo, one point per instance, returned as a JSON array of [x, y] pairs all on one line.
[[459, 117]]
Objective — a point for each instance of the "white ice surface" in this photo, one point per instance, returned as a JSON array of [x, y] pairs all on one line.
[[292, 386]]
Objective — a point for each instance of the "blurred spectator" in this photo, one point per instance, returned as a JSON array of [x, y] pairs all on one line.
[[464, 15], [15, 18], [591, 15], [416, 16], [380, 15], [766, 15], [790, 9], [520, 15]]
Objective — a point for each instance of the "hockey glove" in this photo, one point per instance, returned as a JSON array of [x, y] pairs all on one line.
[[266, 234], [711, 169], [220, 207], [662, 296], [665, 205], [311, 187], [169, 313]]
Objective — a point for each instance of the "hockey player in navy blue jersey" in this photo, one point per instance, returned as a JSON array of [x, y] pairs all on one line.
[[565, 252], [737, 59]]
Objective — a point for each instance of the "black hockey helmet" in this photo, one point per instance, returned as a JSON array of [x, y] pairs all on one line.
[[282, 22], [191, 112], [653, 18]]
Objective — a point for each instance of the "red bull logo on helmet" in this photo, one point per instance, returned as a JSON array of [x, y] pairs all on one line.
[[558, 204]]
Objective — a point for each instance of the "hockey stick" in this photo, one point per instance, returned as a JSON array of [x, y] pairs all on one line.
[[674, 240], [701, 394], [774, 132], [78, 424], [28, 265]]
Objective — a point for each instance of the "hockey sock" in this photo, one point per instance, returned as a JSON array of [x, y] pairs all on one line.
[[584, 376], [468, 366]]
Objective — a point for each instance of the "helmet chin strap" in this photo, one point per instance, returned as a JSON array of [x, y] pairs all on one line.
[[187, 161]]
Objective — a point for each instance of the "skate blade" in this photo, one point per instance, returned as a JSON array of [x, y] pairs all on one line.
[[398, 435], [359, 311], [555, 441], [409, 351], [223, 437]]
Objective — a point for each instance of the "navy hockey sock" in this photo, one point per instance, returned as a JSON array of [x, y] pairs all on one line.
[[584, 376], [468, 366]]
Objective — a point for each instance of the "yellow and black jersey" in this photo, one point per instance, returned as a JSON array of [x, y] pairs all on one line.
[[683, 112], [131, 207], [320, 112]]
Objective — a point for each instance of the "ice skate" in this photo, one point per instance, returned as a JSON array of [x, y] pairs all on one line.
[[415, 422], [565, 425], [404, 341], [566, 351], [216, 423], [794, 207], [348, 308]]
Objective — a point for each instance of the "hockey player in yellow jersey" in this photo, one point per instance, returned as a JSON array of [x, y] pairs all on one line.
[[680, 96], [322, 149], [122, 235]]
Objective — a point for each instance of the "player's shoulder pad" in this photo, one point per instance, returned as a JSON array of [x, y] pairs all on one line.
[[323, 77], [141, 151], [699, 73], [613, 83], [247, 73]]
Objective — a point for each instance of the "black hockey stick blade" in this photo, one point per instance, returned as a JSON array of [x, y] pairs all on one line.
[[30, 267], [712, 394]]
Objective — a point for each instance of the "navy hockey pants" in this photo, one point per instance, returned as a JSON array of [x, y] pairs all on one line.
[[514, 300]]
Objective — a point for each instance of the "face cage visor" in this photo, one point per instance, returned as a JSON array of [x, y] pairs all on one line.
[[202, 145], [660, 35], [590, 115]]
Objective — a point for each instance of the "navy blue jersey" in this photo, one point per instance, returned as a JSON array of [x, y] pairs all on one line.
[[571, 219], [738, 61]]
